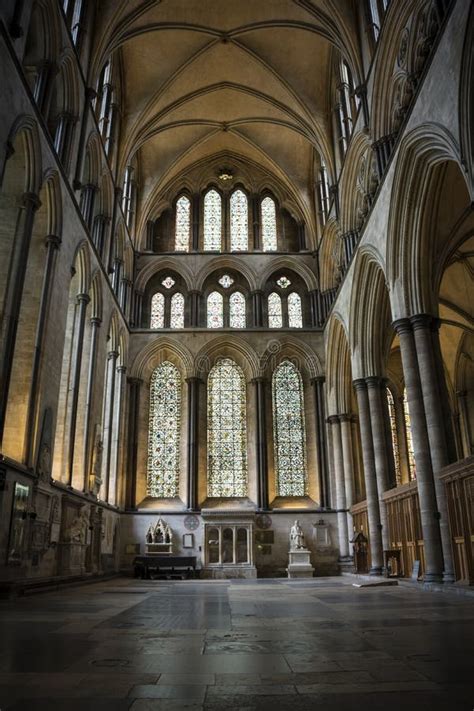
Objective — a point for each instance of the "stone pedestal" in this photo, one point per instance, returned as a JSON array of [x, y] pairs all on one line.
[[72, 558], [300, 564]]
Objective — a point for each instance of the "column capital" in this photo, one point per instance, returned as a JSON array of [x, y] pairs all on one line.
[[91, 93], [193, 379], [345, 417], [95, 321], [333, 420], [318, 379], [121, 369], [194, 291], [359, 384], [134, 381], [112, 355], [402, 325], [420, 321], [257, 292], [53, 241], [259, 379], [30, 199], [375, 381], [83, 298]]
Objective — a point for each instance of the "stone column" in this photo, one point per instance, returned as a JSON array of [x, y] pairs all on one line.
[[382, 468], [13, 296], [348, 462], [52, 245], [262, 457], [373, 511], [95, 325], [257, 303], [340, 491], [99, 233], [322, 454], [79, 325], [421, 445], [116, 435], [87, 203], [132, 439], [193, 442], [138, 307], [89, 96], [108, 420], [436, 425], [194, 304], [465, 429]]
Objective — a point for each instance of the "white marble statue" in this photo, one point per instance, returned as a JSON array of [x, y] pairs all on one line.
[[297, 537]]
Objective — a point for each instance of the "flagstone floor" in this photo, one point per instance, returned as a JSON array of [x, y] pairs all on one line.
[[265, 644]]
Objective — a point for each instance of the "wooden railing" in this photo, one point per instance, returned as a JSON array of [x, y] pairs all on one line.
[[361, 523], [458, 479], [404, 525]]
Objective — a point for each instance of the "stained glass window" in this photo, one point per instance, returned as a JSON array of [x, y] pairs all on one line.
[[269, 233], [163, 434], [225, 281], [215, 310], [275, 317], [239, 222], [393, 429], [168, 282], [177, 311], [295, 316], [289, 430], [212, 221], [183, 224], [237, 310], [157, 318], [410, 450], [226, 431], [283, 282]]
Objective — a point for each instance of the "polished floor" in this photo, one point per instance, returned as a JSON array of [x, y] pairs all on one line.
[[266, 644]]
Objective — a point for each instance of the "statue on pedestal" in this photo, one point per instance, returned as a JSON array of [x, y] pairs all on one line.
[[297, 541]]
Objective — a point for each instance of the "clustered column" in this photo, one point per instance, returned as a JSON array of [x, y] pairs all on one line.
[[193, 441], [262, 459], [341, 505]]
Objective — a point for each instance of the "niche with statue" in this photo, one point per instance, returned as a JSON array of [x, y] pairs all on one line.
[[159, 539]]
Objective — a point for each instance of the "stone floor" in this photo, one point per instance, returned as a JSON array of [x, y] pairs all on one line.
[[265, 644]]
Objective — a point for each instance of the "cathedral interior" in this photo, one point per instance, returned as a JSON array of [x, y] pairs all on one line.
[[236, 354]]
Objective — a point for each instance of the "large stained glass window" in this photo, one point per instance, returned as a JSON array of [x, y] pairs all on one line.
[[410, 450], [212, 221], [392, 413], [177, 311], [289, 430], [239, 222], [157, 317], [226, 431], [269, 232], [215, 310], [295, 315], [237, 310], [183, 224], [163, 434], [275, 316]]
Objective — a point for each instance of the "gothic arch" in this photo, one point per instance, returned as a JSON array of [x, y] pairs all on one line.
[[174, 264], [338, 367], [156, 352], [24, 141], [330, 255], [229, 347], [288, 348], [231, 263], [282, 263]]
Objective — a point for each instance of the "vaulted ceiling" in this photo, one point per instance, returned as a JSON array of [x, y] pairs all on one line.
[[243, 78]]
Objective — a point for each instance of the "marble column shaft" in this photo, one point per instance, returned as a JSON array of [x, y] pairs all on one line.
[[375, 391], [372, 497], [132, 439], [95, 325], [340, 489], [348, 459], [262, 456], [76, 363], [424, 473], [436, 426], [109, 416], [322, 455], [193, 442]]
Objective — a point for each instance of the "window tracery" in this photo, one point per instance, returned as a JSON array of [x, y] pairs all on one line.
[[269, 232], [226, 431], [177, 311], [394, 432], [239, 222], [237, 310], [183, 224], [163, 433], [289, 430], [157, 316], [215, 310], [212, 221], [275, 314]]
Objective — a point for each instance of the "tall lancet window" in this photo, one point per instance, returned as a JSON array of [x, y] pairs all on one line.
[[393, 429], [157, 318], [215, 310], [409, 439], [237, 310], [212, 221], [289, 430], [275, 314], [295, 314], [182, 224], [177, 311], [269, 230], [239, 222], [163, 433], [226, 430]]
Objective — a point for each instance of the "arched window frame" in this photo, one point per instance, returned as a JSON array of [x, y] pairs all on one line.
[[167, 295], [164, 432], [232, 414], [233, 318], [209, 189], [265, 195], [240, 189], [287, 448], [294, 288], [187, 247]]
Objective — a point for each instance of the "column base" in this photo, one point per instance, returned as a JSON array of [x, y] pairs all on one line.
[[432, 578], [376, 570], [449, 578]]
